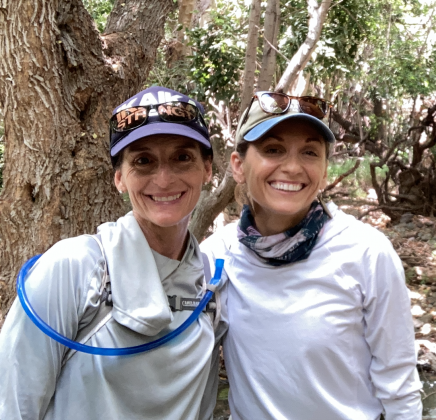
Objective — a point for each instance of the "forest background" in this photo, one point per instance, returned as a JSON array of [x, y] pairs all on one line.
[[66, 64]]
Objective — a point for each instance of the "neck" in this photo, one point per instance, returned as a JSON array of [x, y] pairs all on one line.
[[170, 242], [269, 224]]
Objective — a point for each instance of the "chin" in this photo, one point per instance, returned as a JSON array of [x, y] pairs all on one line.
[[288, 210], [166, 223], [170, 220]]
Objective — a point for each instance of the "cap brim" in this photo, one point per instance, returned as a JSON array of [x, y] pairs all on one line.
[[153, 129], [261, 129]]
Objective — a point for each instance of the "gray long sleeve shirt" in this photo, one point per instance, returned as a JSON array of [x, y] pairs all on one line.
[[64, 288]]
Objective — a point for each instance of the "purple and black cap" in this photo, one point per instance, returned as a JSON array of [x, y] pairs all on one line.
[[154, 124]]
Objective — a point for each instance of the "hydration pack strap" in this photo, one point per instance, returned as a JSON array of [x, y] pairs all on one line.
[[178, 303]]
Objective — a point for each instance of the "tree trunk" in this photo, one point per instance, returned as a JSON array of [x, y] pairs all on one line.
[[250, 55], [180, 47], [317, 13], [203, 16], [211, 205], [378, 112], [59, 81], [270, 34]]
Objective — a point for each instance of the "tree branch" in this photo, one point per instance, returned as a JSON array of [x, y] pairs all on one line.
[[342, 176], [352, 17], [318, 14], [250, 55], [211, 205], [349, 126], [272, 25]]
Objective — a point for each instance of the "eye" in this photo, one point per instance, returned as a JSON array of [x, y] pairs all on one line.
[[184, 157], [272, 150], [311, 153], [142, 160]]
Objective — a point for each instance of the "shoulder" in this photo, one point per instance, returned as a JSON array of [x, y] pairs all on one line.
[[344, 229], [81, 249], [74, 261], [219, 240], [358, 243]]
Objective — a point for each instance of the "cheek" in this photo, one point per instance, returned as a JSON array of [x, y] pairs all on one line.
[[248, 175], [133, 180], [323, 184], [256, 167], [196, 178], [322, 178]]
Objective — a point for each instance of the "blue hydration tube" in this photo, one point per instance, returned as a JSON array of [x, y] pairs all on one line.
[[102, 351]]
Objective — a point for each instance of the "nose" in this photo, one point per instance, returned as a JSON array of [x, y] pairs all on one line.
[[163, 176], [292, 164]]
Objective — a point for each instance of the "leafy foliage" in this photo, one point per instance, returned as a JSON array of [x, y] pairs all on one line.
[[384, 45], [99, 10], [218, 54]]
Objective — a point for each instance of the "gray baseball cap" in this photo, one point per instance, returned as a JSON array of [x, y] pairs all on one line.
[[259, 123]]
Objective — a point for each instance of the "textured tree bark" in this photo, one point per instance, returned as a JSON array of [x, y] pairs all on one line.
[[59, 81], [317, 13], [380, 125], [180, 48], [250, 55], [211, 205], [204, 8], [270, 34]]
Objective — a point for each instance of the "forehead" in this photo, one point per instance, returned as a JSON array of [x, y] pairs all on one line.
[[163, 142], [294, 130]]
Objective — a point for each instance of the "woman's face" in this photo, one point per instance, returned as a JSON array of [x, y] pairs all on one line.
[[163, 175], [284, 171]]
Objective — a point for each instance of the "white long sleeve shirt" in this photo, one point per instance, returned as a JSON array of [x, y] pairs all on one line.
[[328, 338], [64, 288]]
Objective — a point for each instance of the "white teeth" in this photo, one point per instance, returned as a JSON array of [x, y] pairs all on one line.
[[286, 187], [168, 198]]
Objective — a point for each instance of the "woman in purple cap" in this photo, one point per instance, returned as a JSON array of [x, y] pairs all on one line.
[[315, 308], [146, 268]]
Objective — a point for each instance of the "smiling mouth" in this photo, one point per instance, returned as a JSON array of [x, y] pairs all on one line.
[[283, 186], [167, 198]]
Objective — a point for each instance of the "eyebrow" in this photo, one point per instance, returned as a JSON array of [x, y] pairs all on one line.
[[308, 140], [316, 139]]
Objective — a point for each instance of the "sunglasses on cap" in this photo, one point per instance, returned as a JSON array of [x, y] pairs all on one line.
[[173, 112], [275, 103]]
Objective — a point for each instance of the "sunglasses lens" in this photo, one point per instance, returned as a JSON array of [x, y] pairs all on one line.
[[130, 118], [313, 106], [274, 103], [177, 112]]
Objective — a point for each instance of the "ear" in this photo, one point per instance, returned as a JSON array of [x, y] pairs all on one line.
[[208, 171], [118, 179], [237, 168]]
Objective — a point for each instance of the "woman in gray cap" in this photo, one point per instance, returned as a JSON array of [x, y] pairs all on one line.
[[162, 156], [315, 308]]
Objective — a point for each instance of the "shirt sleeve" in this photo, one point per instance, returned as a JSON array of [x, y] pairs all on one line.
[[389, 333], [30, 361]]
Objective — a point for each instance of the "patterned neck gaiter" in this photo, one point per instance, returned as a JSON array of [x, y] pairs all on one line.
[[287, 247]]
